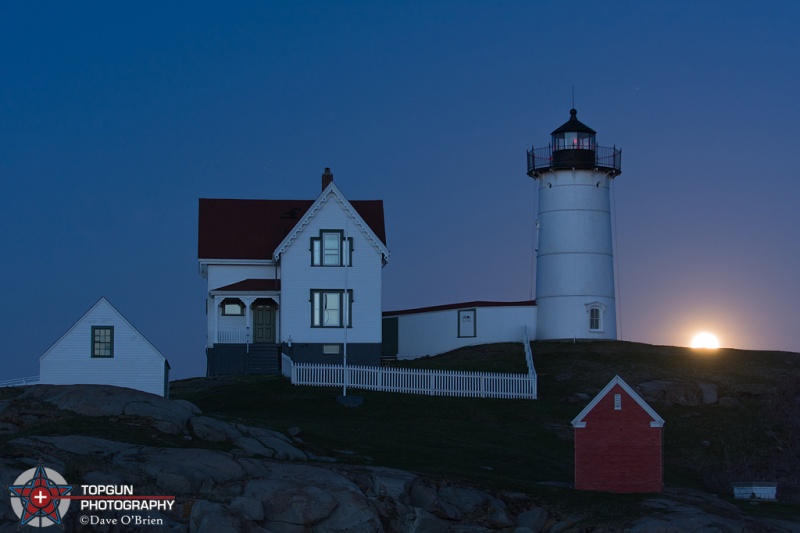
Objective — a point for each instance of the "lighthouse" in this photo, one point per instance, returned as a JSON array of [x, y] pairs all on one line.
[[575, 294]]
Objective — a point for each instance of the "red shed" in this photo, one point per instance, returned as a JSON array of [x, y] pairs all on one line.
[[618, 440]]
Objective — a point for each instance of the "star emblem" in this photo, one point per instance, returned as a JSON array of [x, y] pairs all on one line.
[[40, 497]]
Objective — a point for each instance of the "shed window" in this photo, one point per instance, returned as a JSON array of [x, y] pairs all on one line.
[[102, 341]]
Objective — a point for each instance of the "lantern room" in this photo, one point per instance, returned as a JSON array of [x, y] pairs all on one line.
[[574, 135], [574, 146]]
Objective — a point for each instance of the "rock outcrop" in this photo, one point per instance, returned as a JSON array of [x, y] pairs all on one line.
[[232, 477], [677, 392], [261, 481]]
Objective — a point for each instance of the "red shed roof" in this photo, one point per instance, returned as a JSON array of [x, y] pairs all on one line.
[[656, 421], [253, 229]]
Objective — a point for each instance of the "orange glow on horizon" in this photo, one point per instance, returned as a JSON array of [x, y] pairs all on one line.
[[705, 340]]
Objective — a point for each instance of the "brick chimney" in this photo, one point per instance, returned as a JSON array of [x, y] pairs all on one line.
[[327, 178]]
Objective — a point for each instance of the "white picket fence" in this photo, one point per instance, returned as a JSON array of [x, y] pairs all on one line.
[[19, 382], [417, 381]]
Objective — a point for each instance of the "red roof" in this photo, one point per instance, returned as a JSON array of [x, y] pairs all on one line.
[[253, 229], [459, 306], [252, 285]]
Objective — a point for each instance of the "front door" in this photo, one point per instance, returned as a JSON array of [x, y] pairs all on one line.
[[263, 323]]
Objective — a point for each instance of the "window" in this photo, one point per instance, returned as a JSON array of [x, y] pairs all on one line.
[[331, 249], [466, 323], [330, 349], [102, 341], [594, 319], [594, 311], [232, 307], [329, 308]]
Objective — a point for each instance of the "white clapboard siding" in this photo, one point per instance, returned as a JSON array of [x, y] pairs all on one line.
[[136, 363], [298, 277], [433, 332]]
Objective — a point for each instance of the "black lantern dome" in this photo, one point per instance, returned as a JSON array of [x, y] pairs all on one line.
[[574, 134], [574, 146]]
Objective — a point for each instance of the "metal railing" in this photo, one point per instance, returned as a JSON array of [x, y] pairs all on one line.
[[602, 157], [20, 382], [529, 359]]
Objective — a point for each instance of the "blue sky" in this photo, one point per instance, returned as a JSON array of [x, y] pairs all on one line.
[[115, 117]]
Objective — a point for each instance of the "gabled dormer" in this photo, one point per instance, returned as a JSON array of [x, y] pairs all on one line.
[[333, 246]]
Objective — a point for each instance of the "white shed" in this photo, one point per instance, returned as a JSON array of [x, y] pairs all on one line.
[[103, 348], [756, 490], [413, 333]]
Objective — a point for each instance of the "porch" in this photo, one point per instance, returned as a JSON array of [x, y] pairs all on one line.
[[246, 312], [244, 328]]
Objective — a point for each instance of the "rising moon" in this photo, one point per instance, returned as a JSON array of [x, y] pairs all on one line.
[[705, 340]]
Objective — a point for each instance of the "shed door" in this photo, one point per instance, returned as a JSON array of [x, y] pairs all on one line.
[[263, 323], [390, 337]]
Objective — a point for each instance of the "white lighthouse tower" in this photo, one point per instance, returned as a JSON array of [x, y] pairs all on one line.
[[575, 294]]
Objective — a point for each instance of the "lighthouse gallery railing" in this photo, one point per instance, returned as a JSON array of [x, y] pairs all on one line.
[[605, 157]]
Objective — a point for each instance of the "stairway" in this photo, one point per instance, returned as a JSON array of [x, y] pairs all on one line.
[[264, 359], [388, 360]]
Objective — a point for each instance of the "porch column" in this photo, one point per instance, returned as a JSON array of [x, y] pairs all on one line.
[[248, 301], [277, 300], [217, 301]]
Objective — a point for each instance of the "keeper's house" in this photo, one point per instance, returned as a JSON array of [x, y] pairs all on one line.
[[103, 348], [618, 440], [298, 276]]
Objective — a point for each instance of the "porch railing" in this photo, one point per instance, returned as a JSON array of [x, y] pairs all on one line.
[[232, 335]]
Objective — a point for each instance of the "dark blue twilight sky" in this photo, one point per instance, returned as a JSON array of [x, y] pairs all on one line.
[[115, 117]]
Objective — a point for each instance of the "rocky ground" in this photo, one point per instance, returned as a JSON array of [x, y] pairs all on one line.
[[231, 477]]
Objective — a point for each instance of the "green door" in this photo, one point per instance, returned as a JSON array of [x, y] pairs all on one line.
[[263, 324]]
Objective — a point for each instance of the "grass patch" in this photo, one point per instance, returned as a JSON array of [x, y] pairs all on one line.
[[512, 445], [504, 358], [518, 444], [493, 441]]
